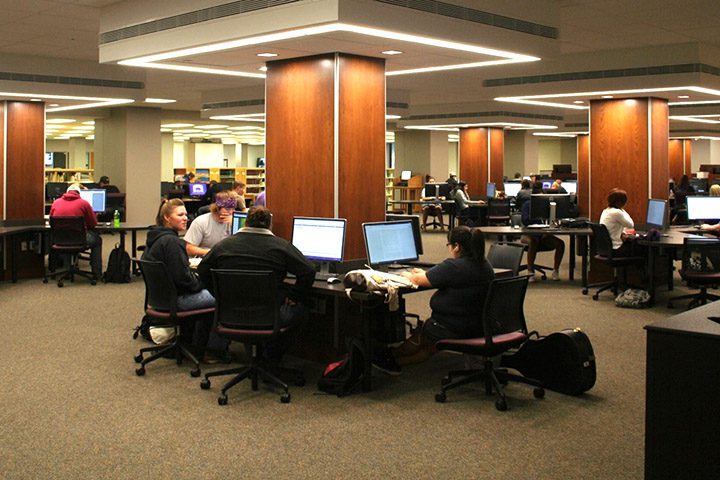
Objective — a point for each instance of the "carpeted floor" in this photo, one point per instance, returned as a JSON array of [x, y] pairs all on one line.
[[72, 406]]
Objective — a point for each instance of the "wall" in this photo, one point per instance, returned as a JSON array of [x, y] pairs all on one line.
[[167, 146], [704, 152], [551, 152], [514, 152]]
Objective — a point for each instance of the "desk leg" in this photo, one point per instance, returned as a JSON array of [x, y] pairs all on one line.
[[135, 269], [584, 260], [367, 340], [13, 260], [671, 263], [571, 273], [651, 274]]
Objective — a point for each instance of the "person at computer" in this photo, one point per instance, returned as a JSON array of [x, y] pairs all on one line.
[[164, 245], [255, 247], [682, 190], [462, 283], [524, 194], [618, 222], [104, 183], [239, 189], [452, 181], [432, 209], [463, 204], [210, 228], [557, 187], [71, 205], [536, 243]]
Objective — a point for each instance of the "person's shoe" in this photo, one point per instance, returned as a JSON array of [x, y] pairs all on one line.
[[386, 363], [556, 275], [531, 277]]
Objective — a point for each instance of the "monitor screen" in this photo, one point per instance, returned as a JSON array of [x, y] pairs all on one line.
[[198, 189], [405, 175], [547, 183], [490, 191], [570, 186], [512, 188], [55, 190], [431, 190], [656, 213], [703, 208], [95, 197], [389, 242], [562, 168], [540, 206], [415, 219], [238, 222], [444, 189], [700, 185], [321, 239]]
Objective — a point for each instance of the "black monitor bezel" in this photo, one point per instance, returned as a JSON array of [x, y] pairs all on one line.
[[415, 219], [390, 262]]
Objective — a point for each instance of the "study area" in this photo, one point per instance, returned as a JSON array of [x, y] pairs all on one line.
[[356, 103]]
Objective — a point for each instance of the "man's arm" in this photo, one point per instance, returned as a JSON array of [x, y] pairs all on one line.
[[195, 251]]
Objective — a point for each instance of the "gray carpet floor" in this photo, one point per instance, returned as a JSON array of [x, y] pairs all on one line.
[[72, 407]]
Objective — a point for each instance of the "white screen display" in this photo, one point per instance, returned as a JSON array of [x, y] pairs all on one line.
[[319, 238], [703, 208], [656, 212], [570, 187], [96, 199], [512, 189], [389, 242]]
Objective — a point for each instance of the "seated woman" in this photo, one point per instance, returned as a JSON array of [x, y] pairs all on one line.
[[432, 209], [208, 229], [680, 194], [540, 243], [617, 221], [457, 306], [164, 245], [463, 204]]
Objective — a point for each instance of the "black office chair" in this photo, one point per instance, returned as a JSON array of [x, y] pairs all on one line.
[[602, 251], [498, 211], [504, 328], [248, 311], [506, 255], [68, 240], [161, 307], [700, 269]]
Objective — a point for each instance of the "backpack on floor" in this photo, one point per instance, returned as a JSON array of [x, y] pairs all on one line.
[[342, 377], [118, 269], [563, 361]]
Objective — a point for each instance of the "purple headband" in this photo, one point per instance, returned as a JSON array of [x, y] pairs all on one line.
[[226, 203]]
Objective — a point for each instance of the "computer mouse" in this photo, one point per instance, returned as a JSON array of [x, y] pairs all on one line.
[[333, 280]]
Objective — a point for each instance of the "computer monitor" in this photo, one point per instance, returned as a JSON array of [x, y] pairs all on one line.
[[415, 219], [405, 175], [490, 190], [198, 189], [547, 184], [700, 185], [656, 213], [562, 168], [540, 206], [320, 239], [703, 208], [54, 190], [388, 243], [165, 187], [431, 190], [570, 186], [444, 189], [512, 188], [95, 197], [238, 222]]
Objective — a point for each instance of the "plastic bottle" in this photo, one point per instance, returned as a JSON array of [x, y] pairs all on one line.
[[116, 219]]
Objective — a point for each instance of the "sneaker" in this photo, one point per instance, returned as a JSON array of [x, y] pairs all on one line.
[[531, 277], [386, 363], [556, 275]]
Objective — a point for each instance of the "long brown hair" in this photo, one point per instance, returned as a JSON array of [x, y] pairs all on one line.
[[166, 208]]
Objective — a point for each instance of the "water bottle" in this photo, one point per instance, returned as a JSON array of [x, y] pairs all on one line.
[[116, 219]]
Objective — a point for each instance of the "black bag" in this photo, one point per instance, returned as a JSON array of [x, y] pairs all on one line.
[[118, 269], [563, 361], [143, 329], [342, 377]]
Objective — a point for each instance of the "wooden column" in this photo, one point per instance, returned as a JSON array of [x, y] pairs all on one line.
[[583, 174], [676, 162], [481, 159], [628, 150], [325, 142], [687, 156]]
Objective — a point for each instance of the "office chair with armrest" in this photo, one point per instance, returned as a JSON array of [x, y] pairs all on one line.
[[504, 329], [68, 238], [248, 311], [161, 306], [700, 269], [498, 211], [506, 255], [541, 269], [602, 251]]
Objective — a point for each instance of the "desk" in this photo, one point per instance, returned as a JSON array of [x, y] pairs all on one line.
[[682, 433], [11, 233]]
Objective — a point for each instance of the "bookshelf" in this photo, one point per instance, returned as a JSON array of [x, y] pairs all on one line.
[[69, 175]]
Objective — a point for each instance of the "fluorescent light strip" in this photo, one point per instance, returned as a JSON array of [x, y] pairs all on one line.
[[148, 61], [99, 101], [251, 117], [700, 137], [559, 134], [692, 118], [455, 127]]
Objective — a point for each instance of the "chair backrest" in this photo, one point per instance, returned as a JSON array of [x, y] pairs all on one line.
[[160, 291], [504, 307], [700, 256], [506, 255], [68, 231], [601, 241], [498, 207], [246, 299]]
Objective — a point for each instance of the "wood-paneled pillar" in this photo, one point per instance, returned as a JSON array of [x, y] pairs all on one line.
[[325, 142], [679, 158], [583, 174], [481, 159], [628, 150]]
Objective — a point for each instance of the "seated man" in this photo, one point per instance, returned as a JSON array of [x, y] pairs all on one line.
[[239, 189], [104, 183], [71, 205], [255, 247]]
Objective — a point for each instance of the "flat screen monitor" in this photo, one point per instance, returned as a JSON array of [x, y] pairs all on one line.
[[512, 188], [562, 168], [405, 175], [700, 185], [656, 213], [198, 189], [703, 208], [238, 222], [320, 239], [165, 187], [55, 190], [431, 190], [95, 197], [388, 243], [570, 186], [444, 189], [415, 219], [490, 190], [540, 206], [547, 184]]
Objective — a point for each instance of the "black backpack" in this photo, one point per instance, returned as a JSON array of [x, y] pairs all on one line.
[[342, 377], [118, 269]]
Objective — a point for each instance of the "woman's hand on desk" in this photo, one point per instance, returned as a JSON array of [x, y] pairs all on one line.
[[417, 276]]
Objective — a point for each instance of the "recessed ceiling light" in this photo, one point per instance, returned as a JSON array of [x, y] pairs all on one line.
[[267, 54], [54, 105], [392, 52], [392, 117], [90, 122], [579, 102], [177, 125], [60, 120], [683, 96], [607, 96], [263, 68], [159, 100], [36, 100]]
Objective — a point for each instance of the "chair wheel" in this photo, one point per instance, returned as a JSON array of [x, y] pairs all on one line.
[[195, 373], [45, 280], [501, 405], [539, 392], [285, 398], [138, 358], [585, 291], [140, 371], [205, 384], [440, 397], [60, 284], [222, 400], [595, 297], [445, 381]]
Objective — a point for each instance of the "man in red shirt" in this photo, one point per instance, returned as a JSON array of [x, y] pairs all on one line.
[[71, 205]]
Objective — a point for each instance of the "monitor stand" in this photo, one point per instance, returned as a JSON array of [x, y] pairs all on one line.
[[324, 272]]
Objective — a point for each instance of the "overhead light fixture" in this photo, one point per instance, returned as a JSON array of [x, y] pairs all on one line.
[[267, 55], [36, 100], [94, 101], [178, 125], [54, 105], [392, 52], [695, 118], [683, 96], [60, 120], [579, 102], [211, 127], [559, 134], [263, 68], [458, 126], [248, 117], [392, 117], [607, 96], [150, 61], [159, 100]]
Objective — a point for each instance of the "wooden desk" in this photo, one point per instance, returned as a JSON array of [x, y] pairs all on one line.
[[682, 428], [11, 233]]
